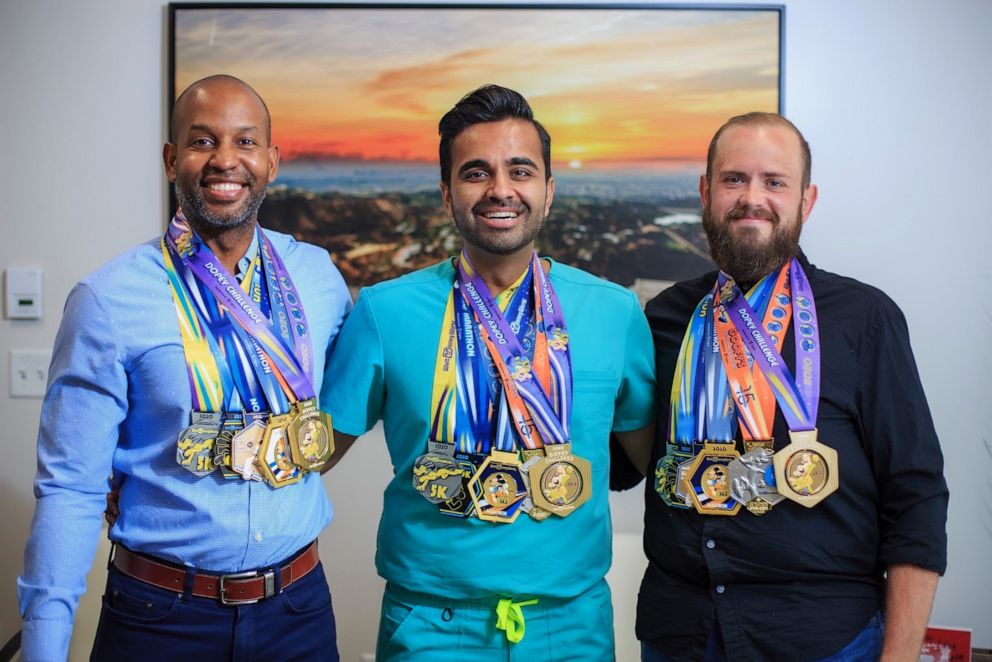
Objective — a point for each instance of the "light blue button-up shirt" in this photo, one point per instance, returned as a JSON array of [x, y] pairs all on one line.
[[117, 399]]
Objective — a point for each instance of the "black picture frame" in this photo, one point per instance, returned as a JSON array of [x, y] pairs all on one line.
[[631, 224]]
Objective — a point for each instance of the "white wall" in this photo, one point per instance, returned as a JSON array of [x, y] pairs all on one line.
[[893, 96]]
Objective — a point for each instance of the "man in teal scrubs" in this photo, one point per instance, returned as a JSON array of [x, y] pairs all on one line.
[[495, 534]]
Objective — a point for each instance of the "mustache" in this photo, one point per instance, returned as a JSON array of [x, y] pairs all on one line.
[[502, 205], [748, 211]]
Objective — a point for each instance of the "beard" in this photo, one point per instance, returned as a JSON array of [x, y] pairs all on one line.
[[743, 254], [496, 242], [197, 212]]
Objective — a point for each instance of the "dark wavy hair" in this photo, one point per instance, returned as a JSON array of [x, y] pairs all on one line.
[[489, 103]]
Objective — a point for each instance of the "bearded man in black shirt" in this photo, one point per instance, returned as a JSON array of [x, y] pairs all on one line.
[[795, 502]]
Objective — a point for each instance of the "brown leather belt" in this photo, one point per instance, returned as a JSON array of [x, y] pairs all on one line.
[[239, 588]]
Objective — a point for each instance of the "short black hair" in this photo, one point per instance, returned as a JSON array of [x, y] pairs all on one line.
[[176, 107], [489, 103]]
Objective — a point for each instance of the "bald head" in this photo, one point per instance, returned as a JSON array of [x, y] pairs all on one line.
[[206, 86]]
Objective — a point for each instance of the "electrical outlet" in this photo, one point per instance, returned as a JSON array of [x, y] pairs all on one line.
[[29, 372]]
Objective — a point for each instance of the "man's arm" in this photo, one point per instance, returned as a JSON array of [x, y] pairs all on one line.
[[83, 408], [342, 443], [637, 445], [908, 599]]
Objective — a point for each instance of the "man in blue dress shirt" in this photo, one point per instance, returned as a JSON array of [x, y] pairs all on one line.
[[158, 380]]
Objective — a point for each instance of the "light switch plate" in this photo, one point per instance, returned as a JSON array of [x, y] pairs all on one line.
[[29, 372]]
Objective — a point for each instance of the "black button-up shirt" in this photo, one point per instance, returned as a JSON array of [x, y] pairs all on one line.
[[800, 583]]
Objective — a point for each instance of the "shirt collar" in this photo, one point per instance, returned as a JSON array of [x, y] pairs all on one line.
[[244, 264]]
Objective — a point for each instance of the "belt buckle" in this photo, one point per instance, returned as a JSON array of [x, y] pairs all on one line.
[[270, 587]]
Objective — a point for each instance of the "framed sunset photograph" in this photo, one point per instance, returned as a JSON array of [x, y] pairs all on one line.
[[630, 94]]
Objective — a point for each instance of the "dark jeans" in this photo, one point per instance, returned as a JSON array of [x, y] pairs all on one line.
[[866, 646], [143, 622]]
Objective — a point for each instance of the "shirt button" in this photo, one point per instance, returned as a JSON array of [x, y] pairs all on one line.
[[258, 536], [710, 544], [720, 588]]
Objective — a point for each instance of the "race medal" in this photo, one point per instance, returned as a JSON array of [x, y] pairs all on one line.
[[244, 449], [233, 423], [461, 505], [437, 475], [498, 488], [752, 481], [806, 471], [562, 481], [195, 447], [707, 480], [666, 479], [311, 436], [275, 455], [531, 457]]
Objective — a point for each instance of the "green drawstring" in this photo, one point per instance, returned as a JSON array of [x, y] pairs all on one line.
[[509, 617]]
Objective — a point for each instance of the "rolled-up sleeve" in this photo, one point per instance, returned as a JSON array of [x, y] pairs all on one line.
[[903, 447]]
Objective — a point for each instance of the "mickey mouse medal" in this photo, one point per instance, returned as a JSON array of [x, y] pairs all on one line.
[[806, 471], [561, 481], [498, 489]]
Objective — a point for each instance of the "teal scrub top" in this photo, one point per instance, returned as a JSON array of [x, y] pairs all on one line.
[[382, 368]]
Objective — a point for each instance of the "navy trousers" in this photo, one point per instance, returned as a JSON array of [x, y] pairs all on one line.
[[143, 622]]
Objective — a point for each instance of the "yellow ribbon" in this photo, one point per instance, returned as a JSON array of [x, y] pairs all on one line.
[[510, 618]]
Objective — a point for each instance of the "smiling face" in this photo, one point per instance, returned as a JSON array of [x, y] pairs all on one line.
[[221, 160], [498, 194], [754, 204]]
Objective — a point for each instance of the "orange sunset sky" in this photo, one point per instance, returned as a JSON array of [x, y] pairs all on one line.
[[614, 87]]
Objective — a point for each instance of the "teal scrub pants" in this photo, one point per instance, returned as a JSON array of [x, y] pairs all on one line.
[[418, 627]]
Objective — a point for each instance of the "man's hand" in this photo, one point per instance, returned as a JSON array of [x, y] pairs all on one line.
[[113, 510], [342, 442], [637, 445]]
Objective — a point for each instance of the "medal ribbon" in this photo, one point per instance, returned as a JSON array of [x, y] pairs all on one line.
[[701, 408], [799, 401], [208, 379], [524, 393], [718, 411], [235, 367], [277, 367], [552, 346], [752, 394], [489, 413], [247, 389], [684, 423], [465, 393], [246, 383], [291, 320]]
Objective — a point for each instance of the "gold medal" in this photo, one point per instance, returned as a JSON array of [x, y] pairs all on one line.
[[311, 436], [562, 481], [707, 480], [275, 457], [498, 489], [806, 471], [532, 456]]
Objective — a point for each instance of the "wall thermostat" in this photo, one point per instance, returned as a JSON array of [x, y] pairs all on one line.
[[23, 295]]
